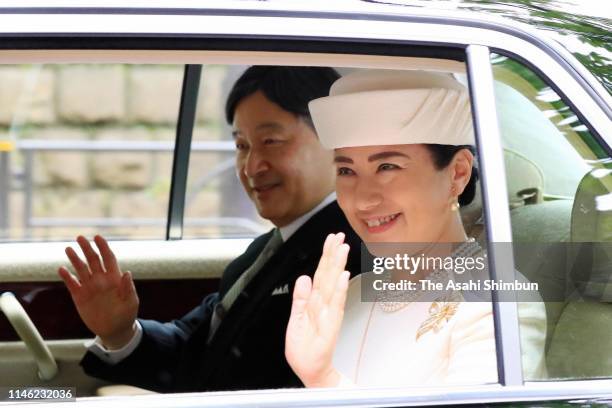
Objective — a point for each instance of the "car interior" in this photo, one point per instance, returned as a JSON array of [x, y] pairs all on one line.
[[560, 224], [559, 203]]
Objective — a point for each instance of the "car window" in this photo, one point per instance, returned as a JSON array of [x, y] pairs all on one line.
[[88, 148], [559, 179], [216, 205], [215, 202], [213, 186]]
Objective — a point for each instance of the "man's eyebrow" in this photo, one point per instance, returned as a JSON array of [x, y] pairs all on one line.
[[343, 159], [264, 126], [269, 126], [386, 155]]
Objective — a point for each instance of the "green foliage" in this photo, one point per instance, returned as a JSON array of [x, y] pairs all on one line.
[[595, 33]]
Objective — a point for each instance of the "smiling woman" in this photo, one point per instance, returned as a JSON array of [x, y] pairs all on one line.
[[393, 193], [416, 192]]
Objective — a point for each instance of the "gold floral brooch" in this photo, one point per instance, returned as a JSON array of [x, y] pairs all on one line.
[[440, 312]]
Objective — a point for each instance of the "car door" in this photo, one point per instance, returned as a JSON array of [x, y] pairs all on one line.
[[393, 42], [88, 149]]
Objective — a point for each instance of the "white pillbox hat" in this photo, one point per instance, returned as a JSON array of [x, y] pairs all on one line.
[[388, 107]]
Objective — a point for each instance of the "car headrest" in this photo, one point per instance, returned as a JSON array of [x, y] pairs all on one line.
[[592, 212], [591, 235], [525, 184], [524, 180]]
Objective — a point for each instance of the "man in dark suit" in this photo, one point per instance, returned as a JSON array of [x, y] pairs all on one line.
[[235, 338]]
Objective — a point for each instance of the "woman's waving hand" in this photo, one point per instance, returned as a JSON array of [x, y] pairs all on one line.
[[316, 317]]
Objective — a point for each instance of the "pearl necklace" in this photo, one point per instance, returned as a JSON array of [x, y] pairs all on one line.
[[393, 301]]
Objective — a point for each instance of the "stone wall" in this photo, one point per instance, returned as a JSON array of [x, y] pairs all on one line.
[[107, 102]]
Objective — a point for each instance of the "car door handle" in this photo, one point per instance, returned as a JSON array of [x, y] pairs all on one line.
[[23, 325]]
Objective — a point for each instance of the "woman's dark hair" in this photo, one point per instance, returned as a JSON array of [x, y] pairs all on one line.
[[291, 88], [442, 156]]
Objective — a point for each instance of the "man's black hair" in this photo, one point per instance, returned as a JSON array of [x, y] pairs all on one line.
[[291, 88]]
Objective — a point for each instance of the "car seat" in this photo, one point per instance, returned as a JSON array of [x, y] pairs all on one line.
[[525, 185], [524, 181], [581, 344]]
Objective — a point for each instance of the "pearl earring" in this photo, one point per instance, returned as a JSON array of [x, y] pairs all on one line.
[[455, 204]]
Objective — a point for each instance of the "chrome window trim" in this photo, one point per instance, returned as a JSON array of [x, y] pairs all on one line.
[[495, 207], [364, 397]]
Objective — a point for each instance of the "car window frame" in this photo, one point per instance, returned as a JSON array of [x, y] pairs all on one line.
[[182, 151], [495, 210]]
